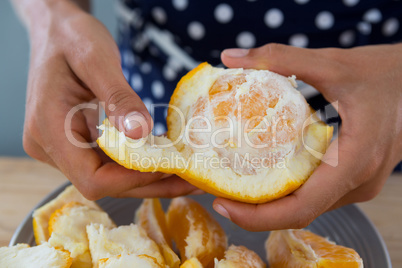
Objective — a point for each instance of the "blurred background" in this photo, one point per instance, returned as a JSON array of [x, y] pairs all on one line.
[[14, 62]]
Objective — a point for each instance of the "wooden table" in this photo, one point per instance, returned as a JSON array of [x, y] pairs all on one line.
[[24, 182]]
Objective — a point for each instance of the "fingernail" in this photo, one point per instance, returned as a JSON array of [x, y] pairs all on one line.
[[236, 52], [133, 121], [221, 210]]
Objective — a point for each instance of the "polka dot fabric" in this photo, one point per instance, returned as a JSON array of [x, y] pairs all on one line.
[[203, 28]]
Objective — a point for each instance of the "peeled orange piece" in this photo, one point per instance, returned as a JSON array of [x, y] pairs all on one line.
[[42, 215], [302, 248], [196, 233], [246, 135], [240, 256], [67, 229], [151, 217], [126, 239], [129, 260], [192, 263], [22, 255]]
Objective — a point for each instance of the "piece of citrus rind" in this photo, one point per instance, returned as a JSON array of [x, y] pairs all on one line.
[[130, 260], [300, 248], [42, 215], [151, 217], [127, 239], [192, 263], [67, 229], [267, 185], [22, 255], [199, 236], [240, 256]]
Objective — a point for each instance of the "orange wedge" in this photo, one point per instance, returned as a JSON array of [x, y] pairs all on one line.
[[151, 217], [192, 263], [196, 233], [130, 260], [240, 256], [302, 248]]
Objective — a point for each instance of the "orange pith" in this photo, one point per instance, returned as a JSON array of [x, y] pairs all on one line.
[[240, 256], [196, 233], [250, 110], [151, 217], [302, 248]]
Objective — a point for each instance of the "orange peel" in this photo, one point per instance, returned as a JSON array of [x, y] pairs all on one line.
[[304, 249], [246, 135]]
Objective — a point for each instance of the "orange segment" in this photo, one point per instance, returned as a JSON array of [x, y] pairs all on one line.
[[192, 263], [240, 256], [196, 233], [302, 248], [151, 218]]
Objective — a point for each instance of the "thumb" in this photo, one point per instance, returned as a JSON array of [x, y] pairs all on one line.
[[313, 66]]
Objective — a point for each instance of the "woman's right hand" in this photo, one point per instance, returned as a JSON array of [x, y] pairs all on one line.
[[74, 64]]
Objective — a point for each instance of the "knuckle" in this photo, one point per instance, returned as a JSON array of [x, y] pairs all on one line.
[[90, 192], [304, 218]]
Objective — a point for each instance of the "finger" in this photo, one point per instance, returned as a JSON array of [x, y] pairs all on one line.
[[314, 66], [75, 157], [104, 77], [170, 187], [325, 186]]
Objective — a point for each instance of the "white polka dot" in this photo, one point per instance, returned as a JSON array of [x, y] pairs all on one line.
[[273, 18], [324, 20], [159, 129], [390, 27], [364, 27], [165, 113], [180, 4], [347, 38], [373, 15], [169, 73], [128, 58], [148, 103], [159, 15], [126, 74], [302, 2], [298, 40], [136, 82], [223, 13], [350, 3], [245, 40], [196, 30], [157, 89], [146, 67]]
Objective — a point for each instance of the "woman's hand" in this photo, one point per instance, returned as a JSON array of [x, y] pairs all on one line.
[[367, 84], [74, 66]]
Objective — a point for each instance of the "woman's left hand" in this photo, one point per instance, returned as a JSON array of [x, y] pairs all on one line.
[[367, 84]]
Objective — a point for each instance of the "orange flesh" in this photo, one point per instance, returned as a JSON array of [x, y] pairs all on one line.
[[306, 249], [186, 220]]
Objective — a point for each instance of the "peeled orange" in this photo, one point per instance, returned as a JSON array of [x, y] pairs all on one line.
[[196, 233], [192, 263], [240, 256], [151, 217], [247, 135], [42, 215], [304, 249]]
